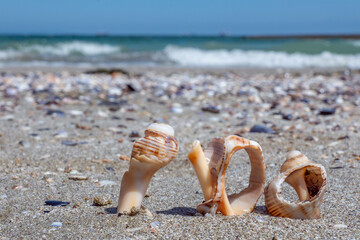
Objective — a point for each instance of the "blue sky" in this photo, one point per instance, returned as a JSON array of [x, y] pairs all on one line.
[[241, 17]]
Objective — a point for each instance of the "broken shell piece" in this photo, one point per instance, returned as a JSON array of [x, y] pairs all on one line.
[[309, 181], [149, 154], [210, 167]]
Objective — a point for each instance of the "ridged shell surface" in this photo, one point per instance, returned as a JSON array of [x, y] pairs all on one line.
[[314, 179], [218, 154], [158, 146]]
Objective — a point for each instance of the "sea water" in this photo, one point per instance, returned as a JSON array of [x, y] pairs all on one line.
[[188, 51]]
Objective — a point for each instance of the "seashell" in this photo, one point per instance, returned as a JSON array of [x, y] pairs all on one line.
[[210, 167], [149, 154], [309, 181]]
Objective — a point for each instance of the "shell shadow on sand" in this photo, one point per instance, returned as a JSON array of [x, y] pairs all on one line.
[[112, 210], [179, 211], [176, 211]]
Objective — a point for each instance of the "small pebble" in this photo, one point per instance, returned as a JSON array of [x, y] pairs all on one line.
[[61, 134], [287, 117], [261, 129], [134, 134], [327, 111], [211, 108], [82, 127], [340, 226], [311, 138], [260, 219], [155, 224], [76, 112], [68, 143], [176, 108], [56, 203], [54, 112], [24, 143]]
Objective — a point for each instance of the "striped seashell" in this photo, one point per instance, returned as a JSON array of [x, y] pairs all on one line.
[[149, 154], [309, 181], [159, 146]]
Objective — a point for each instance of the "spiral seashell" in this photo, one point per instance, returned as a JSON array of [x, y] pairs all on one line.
[[210, 167], [149, 154], [309, 181]]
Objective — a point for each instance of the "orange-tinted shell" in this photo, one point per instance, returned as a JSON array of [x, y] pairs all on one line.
[[218, 154]]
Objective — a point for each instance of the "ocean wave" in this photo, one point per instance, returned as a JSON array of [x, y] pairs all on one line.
[[355, 43], [61, 49], [256, 58]]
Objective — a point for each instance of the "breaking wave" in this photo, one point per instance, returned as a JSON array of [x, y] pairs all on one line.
[[258, 58], [112, 52], [61, 49]]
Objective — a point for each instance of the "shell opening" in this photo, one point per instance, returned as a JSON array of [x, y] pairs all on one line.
[[313, 180]]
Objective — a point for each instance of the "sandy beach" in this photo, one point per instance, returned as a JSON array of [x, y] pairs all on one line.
[[61, 125]]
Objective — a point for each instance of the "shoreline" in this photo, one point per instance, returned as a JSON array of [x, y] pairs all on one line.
[[179, 69]]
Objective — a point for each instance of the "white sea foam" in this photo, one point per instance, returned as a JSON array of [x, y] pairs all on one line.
[[60, 49], [86, 48], [257, 58], [355, 43]]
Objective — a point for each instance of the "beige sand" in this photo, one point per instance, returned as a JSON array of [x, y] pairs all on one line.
[[34, 169]]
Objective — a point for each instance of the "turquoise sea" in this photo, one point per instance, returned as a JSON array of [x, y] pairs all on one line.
[[190, 51]]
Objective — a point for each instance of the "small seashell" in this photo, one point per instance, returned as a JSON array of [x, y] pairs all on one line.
[[309, 181], [210, 167], [101, 200], [149, 154]]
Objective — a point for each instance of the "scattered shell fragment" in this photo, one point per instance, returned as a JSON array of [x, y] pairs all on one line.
[[124, 158], [210, 167], [56, 224], [309, 181], [102, 200], [79, 177], [106, 183], [149, 154], [137, 211]]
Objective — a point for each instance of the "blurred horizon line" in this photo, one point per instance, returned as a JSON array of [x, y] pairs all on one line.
[[225, 35]]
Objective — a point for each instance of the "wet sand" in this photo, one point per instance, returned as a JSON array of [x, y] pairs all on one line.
[[58, 124]]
